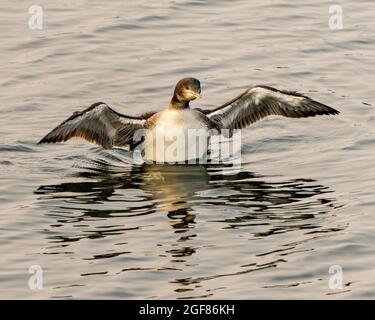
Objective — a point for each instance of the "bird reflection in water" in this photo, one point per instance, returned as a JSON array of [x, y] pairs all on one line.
[[267, 206], [176, 189]]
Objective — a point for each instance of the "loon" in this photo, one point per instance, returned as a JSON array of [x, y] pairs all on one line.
[[104, 126]]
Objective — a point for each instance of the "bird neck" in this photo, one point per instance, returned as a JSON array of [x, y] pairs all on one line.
[[178, 104]]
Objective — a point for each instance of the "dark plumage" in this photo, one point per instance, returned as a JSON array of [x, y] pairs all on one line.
[[98, 123], [261, 101]]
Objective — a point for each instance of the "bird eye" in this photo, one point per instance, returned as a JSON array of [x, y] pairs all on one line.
[[187, 88]]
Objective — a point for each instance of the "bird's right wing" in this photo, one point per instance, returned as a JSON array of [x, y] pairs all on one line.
[[262, 101], [99, 124]]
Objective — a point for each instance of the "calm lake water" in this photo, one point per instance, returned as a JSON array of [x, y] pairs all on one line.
[[100, 227]]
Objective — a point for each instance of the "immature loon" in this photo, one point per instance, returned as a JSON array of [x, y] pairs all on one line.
[[104, 126]]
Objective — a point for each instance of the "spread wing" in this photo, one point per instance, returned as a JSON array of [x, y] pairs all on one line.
[[99, 124], [261, 101]]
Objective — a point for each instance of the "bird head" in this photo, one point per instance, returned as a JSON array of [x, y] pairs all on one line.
[[187, 89]]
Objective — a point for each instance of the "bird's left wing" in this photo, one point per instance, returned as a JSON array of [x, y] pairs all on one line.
[[99, 124], [261, 101]]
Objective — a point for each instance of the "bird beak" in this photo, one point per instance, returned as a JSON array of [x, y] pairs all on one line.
[[195, 94]]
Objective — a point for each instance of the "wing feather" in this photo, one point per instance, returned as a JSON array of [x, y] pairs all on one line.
[[98, 124], [261, 101]]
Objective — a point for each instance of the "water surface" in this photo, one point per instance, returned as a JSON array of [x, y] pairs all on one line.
[[103, 227]]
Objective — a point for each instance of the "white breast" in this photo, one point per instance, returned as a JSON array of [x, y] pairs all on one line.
[[178, 135]]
